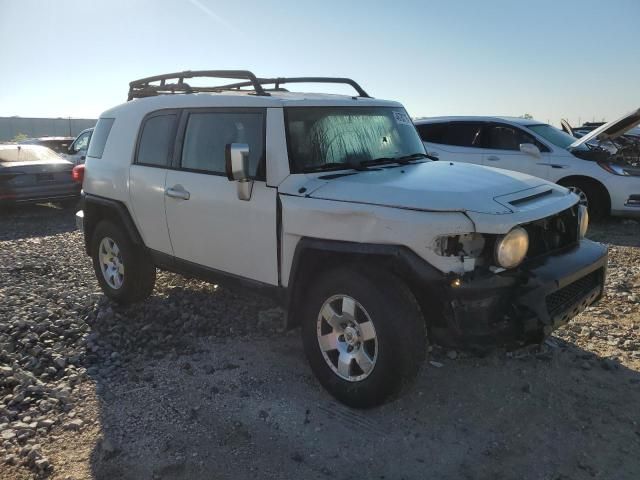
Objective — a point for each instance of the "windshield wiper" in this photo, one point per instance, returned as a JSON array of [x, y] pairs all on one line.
[[415, 156], [403, 160], [330, 166], [362, 165]]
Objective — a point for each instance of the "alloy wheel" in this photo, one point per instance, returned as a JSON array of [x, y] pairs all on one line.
[[584, 200], [347, 338], [111, 264]]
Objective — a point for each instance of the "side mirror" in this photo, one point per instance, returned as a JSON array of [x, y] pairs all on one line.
[[530, 149], [236, 157]]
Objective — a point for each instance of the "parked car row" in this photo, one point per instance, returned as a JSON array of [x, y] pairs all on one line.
[[33, 173], [44, 169], [332, 205]]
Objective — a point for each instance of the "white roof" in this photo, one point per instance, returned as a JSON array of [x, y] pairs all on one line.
[[242, 99], [478, 118]]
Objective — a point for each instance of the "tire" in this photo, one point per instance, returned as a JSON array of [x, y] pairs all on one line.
[[396, 352], [135, 280], [591, 195]]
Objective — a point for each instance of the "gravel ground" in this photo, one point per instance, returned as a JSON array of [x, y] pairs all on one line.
[[199, 382]]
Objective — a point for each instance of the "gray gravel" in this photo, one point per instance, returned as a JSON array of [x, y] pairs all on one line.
[[201, 382]]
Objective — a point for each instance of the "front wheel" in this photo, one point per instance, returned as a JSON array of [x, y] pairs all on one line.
[[364, 335], [591, 196]]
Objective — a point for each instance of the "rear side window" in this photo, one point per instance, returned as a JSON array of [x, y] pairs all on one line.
[[208, 133], [464, 134], [99, 138], [156, 140], [433, 132]]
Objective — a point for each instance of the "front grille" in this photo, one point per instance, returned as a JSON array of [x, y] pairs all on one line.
[[564, 298], [552, 233]]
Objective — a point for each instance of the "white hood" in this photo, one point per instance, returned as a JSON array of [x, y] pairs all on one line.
[[611, 130], [433, 186]]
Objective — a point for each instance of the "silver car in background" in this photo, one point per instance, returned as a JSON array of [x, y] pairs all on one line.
[[33, 174]]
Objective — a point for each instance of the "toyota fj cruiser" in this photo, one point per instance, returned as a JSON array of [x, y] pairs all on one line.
[[331, 204]]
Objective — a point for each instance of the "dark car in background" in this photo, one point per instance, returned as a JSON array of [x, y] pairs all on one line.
[[57, 144], [33, 174]]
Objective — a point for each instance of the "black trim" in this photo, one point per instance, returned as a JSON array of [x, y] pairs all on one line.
[[190, 269], [396, 258], [92, 218]]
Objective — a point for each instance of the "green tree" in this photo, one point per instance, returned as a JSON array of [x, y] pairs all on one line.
[[20, 137]]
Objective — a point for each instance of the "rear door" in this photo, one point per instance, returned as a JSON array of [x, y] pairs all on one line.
[[147, 176], [454, 141], [503, 142], [208, 224]]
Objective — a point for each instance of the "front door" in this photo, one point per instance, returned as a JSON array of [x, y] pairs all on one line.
[[503, 142], [208, 224]]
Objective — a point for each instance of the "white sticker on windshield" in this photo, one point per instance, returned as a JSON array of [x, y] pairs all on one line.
[[402, 118]]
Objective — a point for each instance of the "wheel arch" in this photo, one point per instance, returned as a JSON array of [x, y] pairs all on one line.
[[314, 256], [97, 209], [566, 181]]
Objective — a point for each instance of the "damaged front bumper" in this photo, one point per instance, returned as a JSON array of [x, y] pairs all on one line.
[[523, 305]]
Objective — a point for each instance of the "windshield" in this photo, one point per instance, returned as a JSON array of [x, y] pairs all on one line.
[[554, 135], [326, 138]]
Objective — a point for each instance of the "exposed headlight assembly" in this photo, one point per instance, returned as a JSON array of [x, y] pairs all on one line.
[[583, 220], [618, 169], [511, 248]]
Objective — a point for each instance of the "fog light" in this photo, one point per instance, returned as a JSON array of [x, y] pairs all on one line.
[[456, 282]]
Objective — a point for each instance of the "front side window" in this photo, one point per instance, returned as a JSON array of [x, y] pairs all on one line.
[[504, 137], [208, 133], [156, 140], [81, 143], [324, 138]]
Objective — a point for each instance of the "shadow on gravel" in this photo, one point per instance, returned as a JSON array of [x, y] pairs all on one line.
[[28, 221], [622, 232], [236, 405]]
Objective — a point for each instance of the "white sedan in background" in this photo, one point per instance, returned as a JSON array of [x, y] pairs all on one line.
[[606, 183]]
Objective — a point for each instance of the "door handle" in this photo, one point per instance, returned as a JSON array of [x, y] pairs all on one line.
[[177, 191], [493, 158]]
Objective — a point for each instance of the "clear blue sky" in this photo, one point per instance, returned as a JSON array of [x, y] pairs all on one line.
[[550, 58]]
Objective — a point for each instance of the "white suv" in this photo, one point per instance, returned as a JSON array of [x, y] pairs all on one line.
[[606, 182], [330, 204]]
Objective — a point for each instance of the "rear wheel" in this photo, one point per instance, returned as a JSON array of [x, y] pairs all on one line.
[[125, 271], [364, 335]]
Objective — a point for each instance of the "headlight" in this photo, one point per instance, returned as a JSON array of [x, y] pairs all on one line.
[[614, 168], [512, 248], [583, 220]]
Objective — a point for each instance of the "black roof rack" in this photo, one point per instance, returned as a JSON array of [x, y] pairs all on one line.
[[280, 80], [143, 87]]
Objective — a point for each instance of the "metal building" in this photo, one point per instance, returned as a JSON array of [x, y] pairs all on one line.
[[42, 127]]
